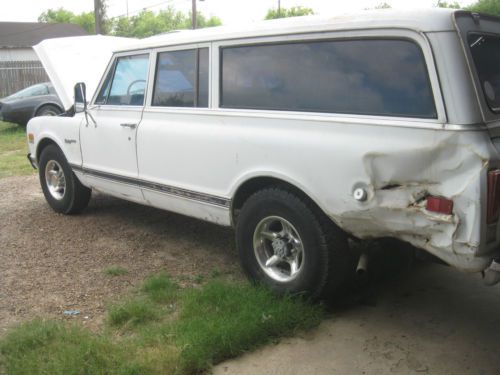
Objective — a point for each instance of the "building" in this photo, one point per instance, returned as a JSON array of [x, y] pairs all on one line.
[[19, 64]]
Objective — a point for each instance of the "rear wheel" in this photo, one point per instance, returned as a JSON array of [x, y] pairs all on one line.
[[62, 189], [48, 110], [285, 244]]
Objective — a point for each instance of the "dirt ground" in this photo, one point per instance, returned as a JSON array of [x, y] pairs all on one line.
[[431, 319], [50, 263]]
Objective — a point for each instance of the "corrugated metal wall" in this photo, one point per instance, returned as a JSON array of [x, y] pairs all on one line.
[[16, 75]]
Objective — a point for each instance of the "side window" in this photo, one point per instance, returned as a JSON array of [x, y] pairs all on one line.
[[103, 94], [181, 79], [127, 83], [485, 51], [371, 77]]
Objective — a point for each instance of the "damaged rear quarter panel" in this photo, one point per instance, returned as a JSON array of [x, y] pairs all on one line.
[[451, 164]]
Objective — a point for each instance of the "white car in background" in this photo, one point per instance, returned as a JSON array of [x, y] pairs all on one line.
[[300, 133]]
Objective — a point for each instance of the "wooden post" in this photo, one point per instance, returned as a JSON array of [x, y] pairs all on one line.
[[193, 15], [97, 13]]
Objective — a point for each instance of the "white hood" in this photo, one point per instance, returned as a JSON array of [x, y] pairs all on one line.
[[77, 59]]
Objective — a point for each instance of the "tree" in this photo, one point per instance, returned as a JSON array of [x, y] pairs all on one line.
[[148, 23], [383, 6], [60, 15], [486, 6], [144, 24], [445, 4], [85, 19], [291, 12]]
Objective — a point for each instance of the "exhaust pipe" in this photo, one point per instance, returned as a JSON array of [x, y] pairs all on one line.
[[362, 267], [492, 273]]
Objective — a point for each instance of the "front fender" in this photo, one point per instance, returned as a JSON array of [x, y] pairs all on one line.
[[63, 131]]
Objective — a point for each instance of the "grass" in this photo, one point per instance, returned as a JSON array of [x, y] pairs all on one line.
[[115, 271], [13, 151], [161, 329]]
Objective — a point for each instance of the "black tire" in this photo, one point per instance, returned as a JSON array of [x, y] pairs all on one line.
[[325, 260], [48, 110], [71, 199]]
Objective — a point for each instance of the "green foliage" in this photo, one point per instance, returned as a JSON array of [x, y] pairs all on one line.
[[486, 6], [383, 6], [222, 320], [160, 288], [86, 19], [59, 15], [41, 347], [115, 271], [290, 12], [148, 23], [451, 5], [13, 151], [169, 330], [133, 312]]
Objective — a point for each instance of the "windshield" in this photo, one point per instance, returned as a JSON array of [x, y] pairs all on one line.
[[485, 51], [40, 89]]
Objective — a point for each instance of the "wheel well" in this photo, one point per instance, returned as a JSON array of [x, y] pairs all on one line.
[[255, 184], [45, 105], [42, 144]]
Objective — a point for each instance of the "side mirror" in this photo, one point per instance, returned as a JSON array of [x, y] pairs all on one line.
[[80, 97]]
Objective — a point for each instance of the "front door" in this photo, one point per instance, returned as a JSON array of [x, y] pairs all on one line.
[[108, 137]]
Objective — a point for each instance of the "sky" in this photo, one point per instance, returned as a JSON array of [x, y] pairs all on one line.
[[229, 11]]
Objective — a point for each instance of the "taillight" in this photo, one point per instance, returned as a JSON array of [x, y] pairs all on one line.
[[493, 211], [440, 205]]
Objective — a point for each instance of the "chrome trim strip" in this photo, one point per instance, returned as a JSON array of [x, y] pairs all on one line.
[[166, 189]]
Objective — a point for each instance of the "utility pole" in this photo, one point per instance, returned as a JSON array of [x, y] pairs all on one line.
[[193, 14], [279, 8], [97, 13], [194, 23]]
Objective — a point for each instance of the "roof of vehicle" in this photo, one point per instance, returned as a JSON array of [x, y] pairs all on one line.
[[425, 20]]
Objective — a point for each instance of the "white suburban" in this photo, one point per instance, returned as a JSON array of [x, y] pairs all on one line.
[[300, 133]]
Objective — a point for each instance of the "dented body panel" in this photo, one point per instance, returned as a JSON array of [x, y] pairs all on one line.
[[196, 161]]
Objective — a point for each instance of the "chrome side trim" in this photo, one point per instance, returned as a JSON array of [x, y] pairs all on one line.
[[166, 189]]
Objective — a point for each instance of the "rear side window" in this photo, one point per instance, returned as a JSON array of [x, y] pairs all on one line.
[[368, 77], [36, 90], [485, 51], [126, 82], [181, 79]]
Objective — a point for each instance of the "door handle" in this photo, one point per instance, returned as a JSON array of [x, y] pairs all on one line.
[[128, 125]]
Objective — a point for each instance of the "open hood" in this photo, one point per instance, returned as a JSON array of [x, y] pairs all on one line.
[[77, 59]]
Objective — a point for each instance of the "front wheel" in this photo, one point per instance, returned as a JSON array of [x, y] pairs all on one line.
[[62, 189], [288, 246]]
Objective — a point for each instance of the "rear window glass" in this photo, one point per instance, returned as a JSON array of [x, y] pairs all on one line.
[[182, 79], [370, 77], [485, 51]]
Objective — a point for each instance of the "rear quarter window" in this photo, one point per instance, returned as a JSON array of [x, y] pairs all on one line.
[[368, 77]]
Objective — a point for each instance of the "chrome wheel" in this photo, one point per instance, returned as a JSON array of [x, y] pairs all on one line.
[[55, 179], [278, 248]]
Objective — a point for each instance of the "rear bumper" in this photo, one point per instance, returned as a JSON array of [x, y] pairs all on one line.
[[32, 161]]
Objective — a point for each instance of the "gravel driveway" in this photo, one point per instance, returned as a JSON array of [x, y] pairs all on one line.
[[431, 320], [50, 262]]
